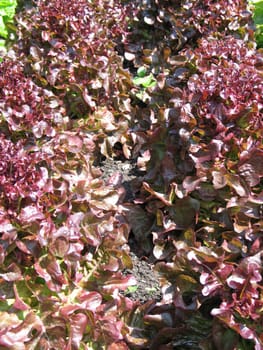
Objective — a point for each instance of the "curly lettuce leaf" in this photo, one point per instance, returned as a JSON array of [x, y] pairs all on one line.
[[7, 12]]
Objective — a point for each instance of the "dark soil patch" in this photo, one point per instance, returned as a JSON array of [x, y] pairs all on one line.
[[148, 286], [126, 169]]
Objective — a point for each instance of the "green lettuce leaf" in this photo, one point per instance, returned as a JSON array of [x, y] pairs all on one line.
[[7, 12], [258, 20]]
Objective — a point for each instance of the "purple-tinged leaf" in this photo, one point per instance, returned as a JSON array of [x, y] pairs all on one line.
[[158, 195], [184, 212], [19, 303], [120, 345], [141, 224], [20, 332], [219, 179], [78, 323], [90, 300], [30, 214], [111, 329], [235, 182], [12, 274], [118, 282]]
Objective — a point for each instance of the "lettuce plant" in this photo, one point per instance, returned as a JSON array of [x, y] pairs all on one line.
[[8, 8], [7, 12], [72, 50], [36, 113], [143, 81], [257, 8]]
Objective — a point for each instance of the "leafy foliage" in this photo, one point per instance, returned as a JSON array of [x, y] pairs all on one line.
[[200, 140], [62, 247], [188, 108], [7, 12], [63, 237], [163, 28], [258, 19], [71, 49], [36, 113]]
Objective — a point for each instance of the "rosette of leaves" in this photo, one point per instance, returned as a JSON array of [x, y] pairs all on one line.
[[62, 248], [72, 50], [27, 110], [22, 177]]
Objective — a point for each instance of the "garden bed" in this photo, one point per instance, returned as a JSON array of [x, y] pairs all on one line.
[[131, 176]]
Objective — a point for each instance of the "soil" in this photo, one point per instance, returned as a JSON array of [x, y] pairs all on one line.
[[148, 286]]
